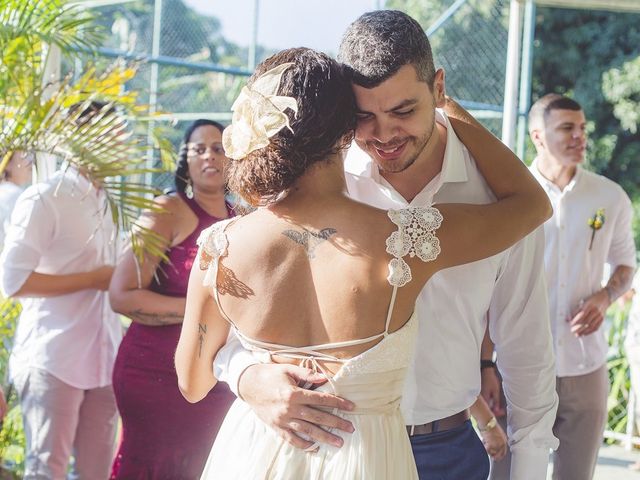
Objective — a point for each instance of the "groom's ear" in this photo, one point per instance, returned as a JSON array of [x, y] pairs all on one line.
[[439, 90]]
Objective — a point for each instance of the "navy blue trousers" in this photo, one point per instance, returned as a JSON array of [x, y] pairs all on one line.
[[456, 454]]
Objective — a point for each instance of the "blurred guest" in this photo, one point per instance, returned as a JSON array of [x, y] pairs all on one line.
[[590, 227], [58, 259], [13, 180], [632, 348], [163, 435]]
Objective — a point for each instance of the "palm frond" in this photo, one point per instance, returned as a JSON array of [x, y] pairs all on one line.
[[55, 22], [111, 149]]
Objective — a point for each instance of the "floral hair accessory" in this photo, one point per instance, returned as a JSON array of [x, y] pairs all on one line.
[[258, 114], [596, 222]]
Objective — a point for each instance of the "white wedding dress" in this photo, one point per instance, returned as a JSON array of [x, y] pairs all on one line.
[[379, 448]]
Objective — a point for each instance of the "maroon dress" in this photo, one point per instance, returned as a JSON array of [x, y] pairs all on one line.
[[163, 435]]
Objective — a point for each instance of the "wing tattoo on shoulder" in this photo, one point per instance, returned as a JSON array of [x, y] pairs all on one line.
[[324, 234], [309, 239], [301, 238]]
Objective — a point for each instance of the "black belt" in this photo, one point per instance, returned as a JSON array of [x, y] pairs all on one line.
[[441, 425]]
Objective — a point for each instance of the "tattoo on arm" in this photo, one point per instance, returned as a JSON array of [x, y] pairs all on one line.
[[155, 319], [202, 331], [309, 239], [619, 282]]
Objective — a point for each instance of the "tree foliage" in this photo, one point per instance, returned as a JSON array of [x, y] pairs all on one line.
[[622, 89], [594, 56], [35, 111]]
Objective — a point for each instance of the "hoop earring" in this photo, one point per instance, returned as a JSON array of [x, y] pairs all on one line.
[[188, 189]]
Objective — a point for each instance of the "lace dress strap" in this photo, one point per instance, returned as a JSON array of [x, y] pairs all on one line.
[[415, 237], [213, 244]]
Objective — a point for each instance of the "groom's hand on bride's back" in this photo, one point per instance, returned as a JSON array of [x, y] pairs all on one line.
[[273, 393]]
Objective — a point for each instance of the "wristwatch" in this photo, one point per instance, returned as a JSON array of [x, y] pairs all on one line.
[[491, 424], [487, 364]]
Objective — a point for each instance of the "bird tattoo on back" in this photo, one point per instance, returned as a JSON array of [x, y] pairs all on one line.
[[309, 239]]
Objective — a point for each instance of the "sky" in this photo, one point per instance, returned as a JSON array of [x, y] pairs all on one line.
[[282, 24]]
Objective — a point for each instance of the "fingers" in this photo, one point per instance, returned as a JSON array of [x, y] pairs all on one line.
[[304, 375], [496, 444], [296, 413], [496, 406], [320, 399], [578, 318], [500, 453], [314, 433], [294, 439], [324, 419], [591, 327], [587, 320], [498, 409]]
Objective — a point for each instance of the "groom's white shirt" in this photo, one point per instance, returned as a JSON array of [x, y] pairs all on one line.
[[445, 376]]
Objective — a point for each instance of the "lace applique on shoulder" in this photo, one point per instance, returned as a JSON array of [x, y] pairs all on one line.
[[212, 243], [415, 236]]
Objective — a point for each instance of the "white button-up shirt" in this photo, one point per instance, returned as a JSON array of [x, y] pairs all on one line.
[[632, 338], [62, 226], [9, 193], [445, 376], [575, 266]]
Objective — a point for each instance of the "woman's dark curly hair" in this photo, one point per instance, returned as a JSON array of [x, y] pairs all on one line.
[[324, 124], [182, 169]]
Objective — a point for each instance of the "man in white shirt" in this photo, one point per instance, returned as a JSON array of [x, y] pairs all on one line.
[[412, 155], [58, 259], [591, 226], [632, 348], [13, 180]]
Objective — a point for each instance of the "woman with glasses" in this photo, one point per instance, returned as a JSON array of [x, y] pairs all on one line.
[[163, 435]]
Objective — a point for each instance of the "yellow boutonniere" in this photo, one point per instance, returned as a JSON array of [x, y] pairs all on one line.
[[596, 222]]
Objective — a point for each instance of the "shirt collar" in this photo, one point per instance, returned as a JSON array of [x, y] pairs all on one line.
[[71, 172], [548, 185], [454, 170]]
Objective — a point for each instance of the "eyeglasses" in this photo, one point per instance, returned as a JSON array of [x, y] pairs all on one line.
[[199, 149]]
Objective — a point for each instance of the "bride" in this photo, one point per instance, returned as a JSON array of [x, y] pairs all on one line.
[[312, 277]]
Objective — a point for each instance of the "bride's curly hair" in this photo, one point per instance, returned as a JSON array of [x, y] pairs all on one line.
[[324, 124]]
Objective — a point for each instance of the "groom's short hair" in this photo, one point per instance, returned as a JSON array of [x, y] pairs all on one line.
[[379, 43]]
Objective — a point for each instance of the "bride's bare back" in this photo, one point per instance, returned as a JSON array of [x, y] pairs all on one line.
[[321, 280]]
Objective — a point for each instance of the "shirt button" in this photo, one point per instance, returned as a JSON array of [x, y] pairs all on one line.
[[560, 343], [561, 227], [562, 285]]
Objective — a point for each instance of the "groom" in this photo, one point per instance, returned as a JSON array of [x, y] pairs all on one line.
[[414, 158]]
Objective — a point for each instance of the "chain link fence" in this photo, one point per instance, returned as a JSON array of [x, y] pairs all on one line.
[[471, 46], [190, 70]]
